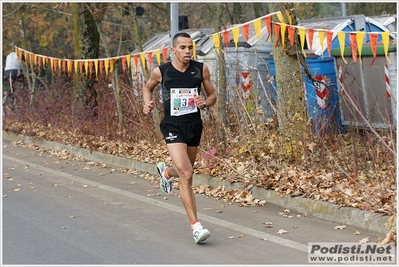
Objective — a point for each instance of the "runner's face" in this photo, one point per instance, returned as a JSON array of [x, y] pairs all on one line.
[[183, 50]]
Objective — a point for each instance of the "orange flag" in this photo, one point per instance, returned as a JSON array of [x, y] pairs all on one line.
[[124, 65], [277, 31], [149, 58], [165, 54], [352, 39], [64, 67], [136, 62], [268, 22], [373, 44], [226, 38], [70, 68], [91, 68], [245, 30], [39, 62], [291, 34], [329, 42], [310, 38], [81, 69]]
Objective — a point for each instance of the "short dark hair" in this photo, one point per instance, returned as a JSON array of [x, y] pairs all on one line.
[[180, 34]]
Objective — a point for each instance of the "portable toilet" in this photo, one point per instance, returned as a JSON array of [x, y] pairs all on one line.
[[328, 111], [247, 73]]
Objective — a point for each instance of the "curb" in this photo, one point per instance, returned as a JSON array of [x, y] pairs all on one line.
[[320, 209]]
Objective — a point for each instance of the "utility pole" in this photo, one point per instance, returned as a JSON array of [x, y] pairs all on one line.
[[343, 8], [174, 21]]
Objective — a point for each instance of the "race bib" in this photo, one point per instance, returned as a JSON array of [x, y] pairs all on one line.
[[182, 101]]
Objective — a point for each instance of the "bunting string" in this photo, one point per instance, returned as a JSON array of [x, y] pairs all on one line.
[[130, 62]]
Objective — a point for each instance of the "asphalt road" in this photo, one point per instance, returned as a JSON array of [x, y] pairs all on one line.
[[62, 211]]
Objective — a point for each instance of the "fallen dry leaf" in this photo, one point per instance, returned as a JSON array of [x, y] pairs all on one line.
[[340, 227], [282, 231]]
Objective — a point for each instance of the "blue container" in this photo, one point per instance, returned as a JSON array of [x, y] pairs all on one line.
[[322, 103]]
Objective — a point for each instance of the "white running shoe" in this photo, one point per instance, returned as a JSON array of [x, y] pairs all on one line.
[[165, 184], [200, 233]]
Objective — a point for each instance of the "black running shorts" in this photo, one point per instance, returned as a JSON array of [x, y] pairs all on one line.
[[188, 133]]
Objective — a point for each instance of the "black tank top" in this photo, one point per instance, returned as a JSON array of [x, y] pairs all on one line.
[[171, 79]]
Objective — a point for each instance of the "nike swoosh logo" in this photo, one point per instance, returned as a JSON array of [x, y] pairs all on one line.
[[193, 72]]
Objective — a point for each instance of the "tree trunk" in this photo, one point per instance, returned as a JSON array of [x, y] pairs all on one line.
[[291, 110], [221, 102], [86, 46]]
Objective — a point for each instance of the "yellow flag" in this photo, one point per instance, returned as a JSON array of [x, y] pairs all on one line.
[[128, 58], [59, 66], [86, 63], [106, 64], [359, 40], [236, 33], [96, 68], [302, 33], [341, 39], [44, 62], [142, 58], [257, 27], [216, 41], [282, 29], [288, 13], [76, 66], [158, 56], [321, 38], [385, 41], [52, 64], [280, 17]]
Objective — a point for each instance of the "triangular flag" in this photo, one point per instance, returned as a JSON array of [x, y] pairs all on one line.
[[96, 68], [385, 41], [81, 69], [257, 26], [39, 62], [59, 66], [216, 41], [136, 62], [329, 42], [291, 34], [106, 65], [52, 64], [321, 38], [373, 44], [149, 58], [280, 17], [268, 22], [283, 27], [64, 63], [112, 64], [277, 31], [352, 39], [236, 33], [142, 58], [86, 64], [288, 13], [70, 62], [44, 62], [341, 39], [310, 38], [76, 66], [226, 37], [359, 40], [302, 37], [245, 30], [123, 66], [128, 58], [165, 54], [101, 68], [91, 68], [158, 56]]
